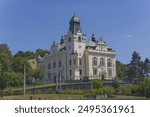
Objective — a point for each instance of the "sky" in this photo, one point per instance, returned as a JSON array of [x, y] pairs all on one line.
[[32, 24]]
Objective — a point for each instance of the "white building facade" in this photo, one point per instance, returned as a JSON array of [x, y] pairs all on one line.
[[75, 59]]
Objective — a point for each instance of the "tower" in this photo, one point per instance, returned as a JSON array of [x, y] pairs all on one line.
[[75, 46]]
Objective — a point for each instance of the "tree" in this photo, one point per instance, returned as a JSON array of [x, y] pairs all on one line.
[[135, 67], [121, 70], [116, 85], [37, 74], [41, 52], [4, 49], [146, 67], [5, 57], [26, 55], [5, 62], [3, 82], [14, 79]]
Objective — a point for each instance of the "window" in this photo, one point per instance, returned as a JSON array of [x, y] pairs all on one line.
[[59, 64], [54, 64], [69, 39], [49, 75], [102, 62], [94, 61], [49, 65], [70, 62], [109, 72], [109, 63], [70, 72], [74, 61], [80, 72], [94, 71], [80, 61], [79, 38]]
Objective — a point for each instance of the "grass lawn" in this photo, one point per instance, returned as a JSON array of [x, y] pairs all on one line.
[[67, 97], [45, 97], [32, 86]]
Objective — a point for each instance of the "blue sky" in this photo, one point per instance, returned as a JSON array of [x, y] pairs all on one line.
[[31, 24]]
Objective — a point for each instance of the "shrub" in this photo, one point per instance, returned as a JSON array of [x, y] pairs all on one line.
[[110, 91], [10, 91], [126, 90], [100, 91], [97, 84]]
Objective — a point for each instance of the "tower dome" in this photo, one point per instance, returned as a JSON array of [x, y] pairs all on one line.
[[74, 25]]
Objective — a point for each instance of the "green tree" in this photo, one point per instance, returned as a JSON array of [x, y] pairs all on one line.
[[135, 67], [146, 67], [26, 55], [116, 85], [121, 70], [14, 79], [37, 74], [5, 63], [3, 82], [41, 52]]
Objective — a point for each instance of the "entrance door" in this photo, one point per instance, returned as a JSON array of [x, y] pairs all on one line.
[[103, 77]]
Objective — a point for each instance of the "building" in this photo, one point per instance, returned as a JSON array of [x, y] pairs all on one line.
[[75, 59], [33, 63]]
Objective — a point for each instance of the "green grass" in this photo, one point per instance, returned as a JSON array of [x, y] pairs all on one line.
[[45, 97], [32, 86], [68, 97]]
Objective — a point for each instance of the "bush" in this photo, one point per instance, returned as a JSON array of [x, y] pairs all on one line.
[[110, 91], [10, 91], [126, 90], [78, 91], [100, 91], [97, 84], [67, 91], [146, 87]]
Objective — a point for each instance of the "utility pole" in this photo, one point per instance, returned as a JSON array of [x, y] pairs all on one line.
[[24, 82]]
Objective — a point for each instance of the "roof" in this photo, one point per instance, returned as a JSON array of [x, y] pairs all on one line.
[[91, 44]]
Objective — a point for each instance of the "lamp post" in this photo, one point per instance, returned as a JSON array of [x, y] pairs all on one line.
[[60, 78]]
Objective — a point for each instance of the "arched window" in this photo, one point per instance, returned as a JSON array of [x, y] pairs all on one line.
[[79, 38], [69, 38], [109, 63], [94, 61], [102, 62]]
